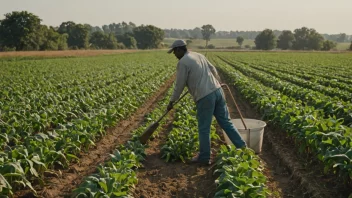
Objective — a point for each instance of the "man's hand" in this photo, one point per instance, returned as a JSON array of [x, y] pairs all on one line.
[[170, 105]]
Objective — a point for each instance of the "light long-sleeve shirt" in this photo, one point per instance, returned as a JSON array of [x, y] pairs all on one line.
[[198, 74]]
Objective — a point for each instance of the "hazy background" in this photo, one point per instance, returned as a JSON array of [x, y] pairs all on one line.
[[325, 16]]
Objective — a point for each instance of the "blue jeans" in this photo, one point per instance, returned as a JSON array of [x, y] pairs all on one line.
[[214, 104]]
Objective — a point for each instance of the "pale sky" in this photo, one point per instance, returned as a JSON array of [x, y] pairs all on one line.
[[326, 16]]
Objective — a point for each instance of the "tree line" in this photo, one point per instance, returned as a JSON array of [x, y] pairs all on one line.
[[300, 39], [24, 31], [251, 35]]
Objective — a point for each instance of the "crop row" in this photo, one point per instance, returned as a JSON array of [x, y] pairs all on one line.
[[329, 91], [316, 64], [118, 175], [182, 140], [325, 138], [334, 83], [332, 106], [240, 173], [66, 113]]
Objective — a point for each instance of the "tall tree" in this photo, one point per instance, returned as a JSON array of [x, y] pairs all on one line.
[[207, 31], [266, 40], [128, 40], [286, 40], [78, 34], [342, 38], [18, 30], [328, 45], [315, 40], [148, 36], [306, 38], [301, 38], [240, 40], [53, 40], [101, 40]]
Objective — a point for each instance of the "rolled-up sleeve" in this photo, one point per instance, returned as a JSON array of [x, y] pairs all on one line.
[[181, 80]]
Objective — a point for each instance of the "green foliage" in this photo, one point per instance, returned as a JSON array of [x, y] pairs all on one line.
[[320, 121], [307, 39], [240, 40], [53, 40], [342, 38], [189, 41], [148, 37], [100, 40], [128, 40], [42, 130], [116, 177], [207, 31], [328, 45], [211, 46], [351, 46], [78, 34], [119, 28], [285, 40], [183, 138], [240, 174], [266, 40], [19, 30]]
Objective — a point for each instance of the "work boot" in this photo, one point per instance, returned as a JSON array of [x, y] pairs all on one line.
[[195, 159]]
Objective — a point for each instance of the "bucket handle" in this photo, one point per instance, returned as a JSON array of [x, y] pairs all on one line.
[[234, 101]]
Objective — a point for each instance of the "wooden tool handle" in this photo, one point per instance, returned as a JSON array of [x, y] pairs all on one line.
[[234, 101]]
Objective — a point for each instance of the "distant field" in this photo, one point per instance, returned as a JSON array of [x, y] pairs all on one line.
[[216, 42], [62, 53], [232, 42], [343, 46]]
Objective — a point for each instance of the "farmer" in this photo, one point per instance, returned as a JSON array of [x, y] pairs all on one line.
[[202, 80]]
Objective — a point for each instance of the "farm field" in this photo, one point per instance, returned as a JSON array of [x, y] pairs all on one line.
[[70, 126]]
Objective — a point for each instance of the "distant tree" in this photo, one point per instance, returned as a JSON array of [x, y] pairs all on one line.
[[307, 39], [211, 46], [207, 31], [240, 40], [351, 46], [315, 41], [101, 40], [148, 37], [286, 40], [19, 30], [328, 45], [266, 40], [128, 40], [78, 34], [53, 40], [196, 33], [111, 42], [301, 38], [98, 40], [188, 41], [342, 38]]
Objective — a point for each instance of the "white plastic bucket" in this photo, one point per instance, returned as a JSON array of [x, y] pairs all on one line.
[[253, 136]]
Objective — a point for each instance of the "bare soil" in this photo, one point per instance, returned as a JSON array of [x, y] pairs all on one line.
[[173, 179], [67, 180]]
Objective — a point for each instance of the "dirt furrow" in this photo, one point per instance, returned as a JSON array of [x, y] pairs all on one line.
[[287, 172], [173, 179], [67, 180]]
